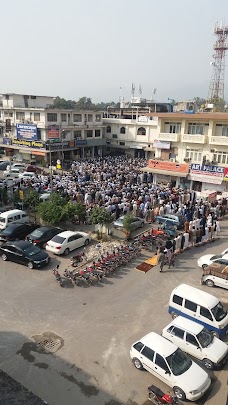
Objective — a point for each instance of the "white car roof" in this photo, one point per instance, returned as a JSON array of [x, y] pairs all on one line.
[[159, 343], [186, 324], [196, 295], [66, 234]]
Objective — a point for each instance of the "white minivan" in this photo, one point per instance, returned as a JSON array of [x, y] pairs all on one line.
[[12, 216], [168, 363], [199, 306], [197, 341]]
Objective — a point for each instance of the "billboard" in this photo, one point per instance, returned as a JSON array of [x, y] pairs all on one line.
[[168, 166], [225, 174], [53, 132], [161, 145], [206, 173], [28, 144], [27, 132]]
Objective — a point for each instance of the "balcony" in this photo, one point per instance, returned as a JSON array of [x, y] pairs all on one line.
[[197, 138], [219, 140], [163, 136]]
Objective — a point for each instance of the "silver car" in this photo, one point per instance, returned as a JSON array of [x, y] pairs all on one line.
[[137, 222]]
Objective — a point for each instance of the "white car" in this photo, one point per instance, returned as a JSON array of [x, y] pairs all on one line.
[[171, 365], [11, 173], [197, 341], [18, 166], [136, 223], [206, 260], [27, 175], [66, 241]]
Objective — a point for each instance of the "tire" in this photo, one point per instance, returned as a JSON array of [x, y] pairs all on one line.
[[137, 363], [30, 265], [208, 364], [142, 225], [86, 242], [209, 283], [4, 257], [204, 266], [66, 251], [214, 333], [174, 315], [179, 393]]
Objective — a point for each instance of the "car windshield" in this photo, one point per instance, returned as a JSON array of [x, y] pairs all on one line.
[[215, 257], [31, 250], [58, 239], [205, 338], [219, 312], [179, 362], [8, 230], [37, 233], [3, 220]]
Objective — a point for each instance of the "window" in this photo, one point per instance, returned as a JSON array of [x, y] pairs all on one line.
[[122, 130], [190, 305], [206, 313], [89, 133], [141, 131], [20, 115], [194, 128], [52, 117], [178, 332], [108, 130], [138, 346], [77, 117], [63, 117], [160, 361], [98, 117], [122, 143], [33, 97], [8, 114], [223, 131], [194, 154], [77, 134], [90, 117], [177, 300], [97, 133], [175, 127], [220, 157], [191, 339], [114, 136], [36, 116], [148, 353]]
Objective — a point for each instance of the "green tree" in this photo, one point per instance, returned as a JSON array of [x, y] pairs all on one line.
[[128, 224], [100, 216], [53, 210], [31, 198]]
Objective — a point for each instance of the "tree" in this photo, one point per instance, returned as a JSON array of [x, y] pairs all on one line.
[[74, 210], [32, 198], [53, 210], [128, 224], [101, 217]]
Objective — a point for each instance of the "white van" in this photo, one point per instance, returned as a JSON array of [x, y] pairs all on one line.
[[196, 340], [200, 307], [12, 216], [168, 363]]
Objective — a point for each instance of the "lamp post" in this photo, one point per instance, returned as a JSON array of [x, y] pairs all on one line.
[[62, 149]]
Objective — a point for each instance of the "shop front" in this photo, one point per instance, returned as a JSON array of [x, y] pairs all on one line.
[[206, 177], [168, 173]]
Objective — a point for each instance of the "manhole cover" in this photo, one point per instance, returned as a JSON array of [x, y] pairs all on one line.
[[48, 341]]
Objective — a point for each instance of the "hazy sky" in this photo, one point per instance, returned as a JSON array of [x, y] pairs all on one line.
[[76, 48]]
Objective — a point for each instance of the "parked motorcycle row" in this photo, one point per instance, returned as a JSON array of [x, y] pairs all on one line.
[[103, 266]]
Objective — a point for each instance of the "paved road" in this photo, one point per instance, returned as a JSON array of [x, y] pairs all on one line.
[[96, 327]]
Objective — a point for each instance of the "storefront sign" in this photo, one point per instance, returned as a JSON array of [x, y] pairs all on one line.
[[28, 144], [80, 142], [225, 174], [207, 174], [169, 166], [161, 145], [60, 145], [26, 131], [7, 141], [53, 131]]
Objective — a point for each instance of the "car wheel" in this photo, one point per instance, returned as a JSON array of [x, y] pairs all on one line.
[[209, 283], [4, 257], [179, 393], [142, 224], [208, 364], [137, 363], [66, 251], [31, 265], [215, 334], [86, 242], [204, 266], [174, 315]]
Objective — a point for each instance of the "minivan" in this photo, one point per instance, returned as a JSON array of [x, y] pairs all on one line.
[[168, 363], [170, 220], [12, 216], [199, 306]]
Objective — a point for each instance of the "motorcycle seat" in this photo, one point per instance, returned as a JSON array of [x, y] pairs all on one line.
[[156, 391]]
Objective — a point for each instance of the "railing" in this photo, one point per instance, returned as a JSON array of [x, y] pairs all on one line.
[[219, 140], [163, 136], [197, 138]]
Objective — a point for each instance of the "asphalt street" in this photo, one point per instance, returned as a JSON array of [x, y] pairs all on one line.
[[92, 329]]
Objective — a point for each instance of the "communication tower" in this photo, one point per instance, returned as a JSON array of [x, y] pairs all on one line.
[[216, 88]]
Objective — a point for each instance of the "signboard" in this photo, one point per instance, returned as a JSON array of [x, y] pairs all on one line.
[[80, 142], [60, 145], [161, 145], [7, 141], [26, 131], [143, 118], [53, 132], [225, 174], [169, 166], [21, 194], [207, 173], [28, 144]]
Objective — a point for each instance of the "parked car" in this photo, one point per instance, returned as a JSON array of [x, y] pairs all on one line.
[[11, 173], [171, 365], [206, 260], [45, 196], [66, 241], [17, 231], [137, 223], [24, 252], [33, 169], [170, 220], [42, 235], [196, 340], [27, 175], [4, 164], [215, 275], [18, 166]]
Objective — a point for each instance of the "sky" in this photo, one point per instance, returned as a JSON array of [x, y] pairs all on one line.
[[98, 48]]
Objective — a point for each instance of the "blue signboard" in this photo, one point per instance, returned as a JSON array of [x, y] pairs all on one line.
[[207, 169], [27, 132]]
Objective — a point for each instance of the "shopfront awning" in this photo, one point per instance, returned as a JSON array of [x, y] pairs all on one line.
[[165, 172]]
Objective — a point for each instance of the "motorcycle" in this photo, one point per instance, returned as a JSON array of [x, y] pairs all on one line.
[[158, 397], [57, 276], [75, 260]]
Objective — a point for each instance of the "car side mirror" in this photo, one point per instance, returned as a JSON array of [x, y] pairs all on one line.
[[167, 372]]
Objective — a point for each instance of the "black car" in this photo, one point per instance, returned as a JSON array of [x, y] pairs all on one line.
[[24, 252], [42, 235], [17, 231]]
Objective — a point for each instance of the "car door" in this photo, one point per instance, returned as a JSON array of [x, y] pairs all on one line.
[[9, 251], [177, 336], [192, 345], [78, 241], [146, 358], [162, 370], [18, 233], [17, 255]]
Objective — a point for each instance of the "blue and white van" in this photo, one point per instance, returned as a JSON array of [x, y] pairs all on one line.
[[200, 307]]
